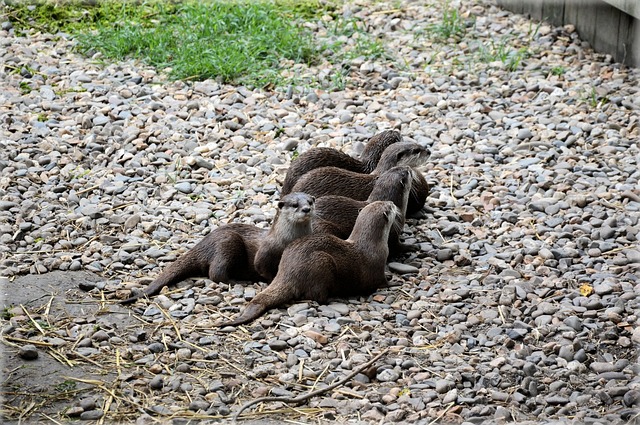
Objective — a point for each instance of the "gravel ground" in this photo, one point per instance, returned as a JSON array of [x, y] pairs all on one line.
[[521, 302]]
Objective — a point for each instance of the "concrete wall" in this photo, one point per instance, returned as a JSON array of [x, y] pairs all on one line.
[[611, 26]]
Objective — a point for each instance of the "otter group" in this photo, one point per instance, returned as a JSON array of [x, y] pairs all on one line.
[[339, 219]]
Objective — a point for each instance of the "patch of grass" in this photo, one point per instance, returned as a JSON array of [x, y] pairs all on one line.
[[504, 52], [350, 39], [25, 88], [6, 312], [65, 386], [230, 41], [558, 70], [234, 41], [452, 25], [593, 99]]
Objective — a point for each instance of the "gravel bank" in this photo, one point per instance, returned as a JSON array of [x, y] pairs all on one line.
[[521, 302]]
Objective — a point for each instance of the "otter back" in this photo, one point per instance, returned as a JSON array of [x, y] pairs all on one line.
[[329, 157]]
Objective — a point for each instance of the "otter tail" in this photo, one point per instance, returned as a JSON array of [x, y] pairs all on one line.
[[274, 295], [184, 267]]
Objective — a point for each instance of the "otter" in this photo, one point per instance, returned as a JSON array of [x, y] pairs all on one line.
[[329, 157], [341, 212], [240, 252], [336, 181], [320, 266]]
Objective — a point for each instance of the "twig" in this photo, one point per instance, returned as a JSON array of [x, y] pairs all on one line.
[[36, 324], [88, 189], [87, 359], [50, 418], [27, 341], [385, 12], [170, 319], [48, 309], [501, 314], [443, 413], [320, 376], [107, 405], [305, 397]]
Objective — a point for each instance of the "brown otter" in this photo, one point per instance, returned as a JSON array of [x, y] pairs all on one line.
[[341, 212], [240, 252], [336, 181], [329, 157], [320, 266]]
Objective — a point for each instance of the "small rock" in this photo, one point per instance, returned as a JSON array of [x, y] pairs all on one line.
[[402, 268], [450, 397], [91, 415], [156, 382], [278, 345], [88, 403], [443, 385], [388, 375], [28, 352]]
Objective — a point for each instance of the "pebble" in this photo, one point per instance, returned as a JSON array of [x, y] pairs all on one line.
[[402, 268], [278, 345], [28, 352], [156, 383], [91, 415], [533, 199]]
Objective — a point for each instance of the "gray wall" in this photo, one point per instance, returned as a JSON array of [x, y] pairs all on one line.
[[610, 26]]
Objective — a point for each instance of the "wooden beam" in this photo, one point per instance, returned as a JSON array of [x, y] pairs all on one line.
[[630, 7]]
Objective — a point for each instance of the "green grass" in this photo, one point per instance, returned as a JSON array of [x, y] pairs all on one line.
[[234, 41], [452, 26], [504, 52]]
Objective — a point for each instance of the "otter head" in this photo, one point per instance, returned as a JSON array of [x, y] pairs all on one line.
[[298, 207], [403, 153], [374, 224], [394, 185]]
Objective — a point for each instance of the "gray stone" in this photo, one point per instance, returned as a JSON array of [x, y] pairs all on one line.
[[402, 268], [28, 352]]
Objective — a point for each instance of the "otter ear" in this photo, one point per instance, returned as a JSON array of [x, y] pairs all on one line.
[[313, 199], [280, 204]]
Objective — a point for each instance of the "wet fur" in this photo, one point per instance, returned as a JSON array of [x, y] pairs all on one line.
[[336, 181], [329, 157], [240, 252], [320, 266]]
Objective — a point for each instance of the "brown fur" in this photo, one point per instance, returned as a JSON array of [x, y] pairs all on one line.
[[336, 181], [329, 157], [240, 252], [320, 266], [393, 185]]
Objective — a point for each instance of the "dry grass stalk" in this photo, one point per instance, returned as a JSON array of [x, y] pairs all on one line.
[[307, 396]]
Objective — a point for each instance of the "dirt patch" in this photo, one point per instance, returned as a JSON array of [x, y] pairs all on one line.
[[51, 312], [76, 375]]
